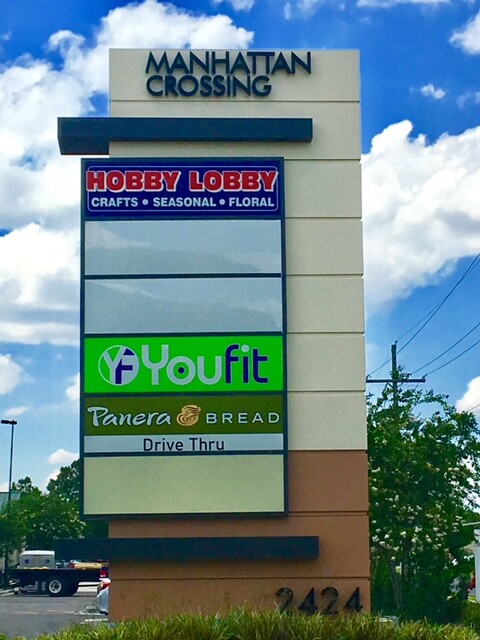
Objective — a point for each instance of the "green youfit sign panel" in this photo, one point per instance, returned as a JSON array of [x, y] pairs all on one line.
[[125, 364]]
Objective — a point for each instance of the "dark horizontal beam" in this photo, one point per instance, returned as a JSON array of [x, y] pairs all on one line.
[[182, 549], [92, 136]]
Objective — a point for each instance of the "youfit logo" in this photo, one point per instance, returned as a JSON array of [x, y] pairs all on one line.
[[119, 365]]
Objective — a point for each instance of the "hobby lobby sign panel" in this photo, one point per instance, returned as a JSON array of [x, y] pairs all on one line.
[[194, 188], [183, 316]]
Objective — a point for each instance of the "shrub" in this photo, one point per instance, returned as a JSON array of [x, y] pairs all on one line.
[[273, 625], [471, 615]]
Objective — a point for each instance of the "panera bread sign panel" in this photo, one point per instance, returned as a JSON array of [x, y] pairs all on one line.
[[194, 424], [216, 74], [160, 377]]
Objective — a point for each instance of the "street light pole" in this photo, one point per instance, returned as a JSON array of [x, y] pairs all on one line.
[[12, 423]]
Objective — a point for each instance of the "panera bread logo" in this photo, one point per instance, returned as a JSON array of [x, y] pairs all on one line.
[[189, 415], [220, 74]]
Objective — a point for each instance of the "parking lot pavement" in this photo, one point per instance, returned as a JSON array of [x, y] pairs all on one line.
[[30, 615]]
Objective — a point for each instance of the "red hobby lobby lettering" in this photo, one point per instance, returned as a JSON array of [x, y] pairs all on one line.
[[117, 180], [151, 180]]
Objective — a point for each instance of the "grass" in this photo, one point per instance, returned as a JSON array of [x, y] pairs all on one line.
[[273, 625]]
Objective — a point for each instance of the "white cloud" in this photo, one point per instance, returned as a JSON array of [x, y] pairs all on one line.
[[62, 457], [39, 273], [430, 91], [470, 401], [39, 260], [35, 182], [287, 11], [51, 476], [148, 24], [387, 4], [421, 211], [469, 97], [468, 37], [308, 6], [238, 5], [73, 390], [10, 374], [14, 412]]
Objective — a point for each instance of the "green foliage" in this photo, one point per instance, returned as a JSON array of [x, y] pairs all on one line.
[[66, 487], [37, 519], [24, 485], [424, 461], [471, 615], [267, 625], [67, 483]]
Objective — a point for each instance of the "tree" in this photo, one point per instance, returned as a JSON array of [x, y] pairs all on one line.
[[37, 519], [24, 485], [66, 486], [424, 466], [67, 483]]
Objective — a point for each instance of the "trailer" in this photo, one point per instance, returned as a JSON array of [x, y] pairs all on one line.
[[38, 572]]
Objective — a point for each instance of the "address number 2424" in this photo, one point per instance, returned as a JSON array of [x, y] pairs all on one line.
[[327, 602]]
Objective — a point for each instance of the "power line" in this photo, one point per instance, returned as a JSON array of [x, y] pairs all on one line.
[[447, 350], [453, 359], [439, 304], [472, 408], [436, 309], [430, 315], [380, 367]]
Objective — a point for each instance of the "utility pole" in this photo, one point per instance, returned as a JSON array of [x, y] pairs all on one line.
[[396, 378], [12, 423]]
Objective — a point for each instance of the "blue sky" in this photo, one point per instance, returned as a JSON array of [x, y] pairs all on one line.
[[420, 78]]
